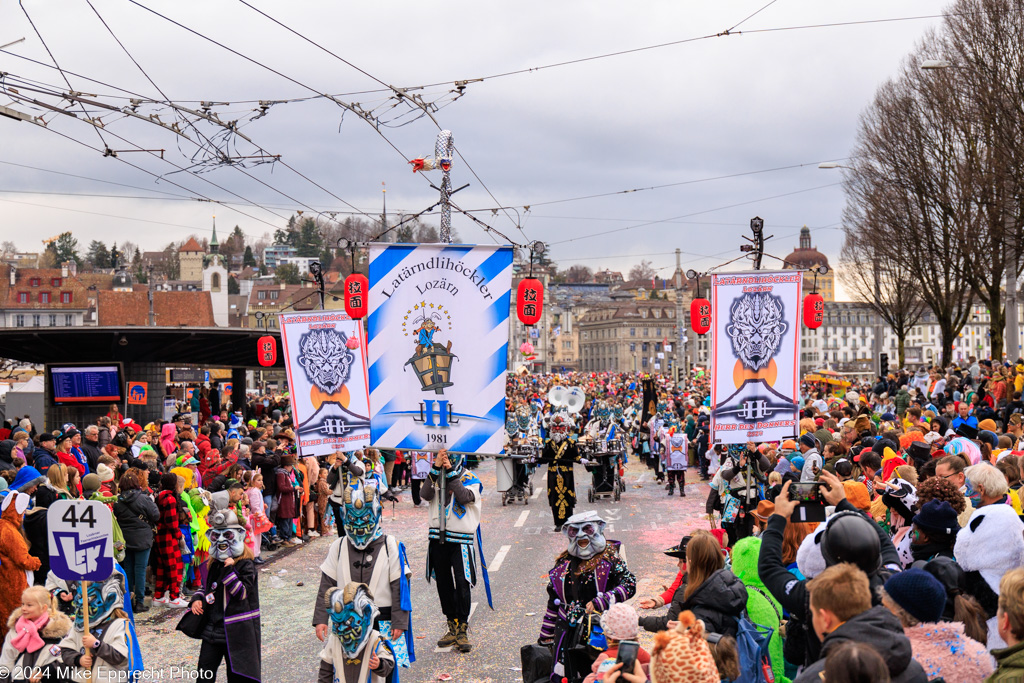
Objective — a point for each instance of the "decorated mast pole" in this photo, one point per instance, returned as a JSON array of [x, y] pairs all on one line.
[[444, 151]]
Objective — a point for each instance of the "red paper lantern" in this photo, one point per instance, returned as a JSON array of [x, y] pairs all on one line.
[[530, 300], [266, 351], [700, 316], [814, 311], [356, 287]]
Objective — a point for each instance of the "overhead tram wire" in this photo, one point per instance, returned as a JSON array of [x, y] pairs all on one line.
[[402, 93], [209, 141], [694, 181], [695, 213]]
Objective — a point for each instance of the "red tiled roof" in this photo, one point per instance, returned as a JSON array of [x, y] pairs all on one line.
[[46, 276], [191, 245], [171, 309]]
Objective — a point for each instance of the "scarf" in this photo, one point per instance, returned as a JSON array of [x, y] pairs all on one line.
[[27, 638]]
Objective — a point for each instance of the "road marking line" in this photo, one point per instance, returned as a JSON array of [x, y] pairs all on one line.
[[536, 494], [472, 608], [499, 558], [522, 518]]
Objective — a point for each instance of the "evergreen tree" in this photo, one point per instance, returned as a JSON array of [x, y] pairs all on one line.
[[247, 258], [62, 249], [287, 273], [98, 254], [309, 241]]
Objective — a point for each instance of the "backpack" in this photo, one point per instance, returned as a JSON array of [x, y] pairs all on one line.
[[752, 646]]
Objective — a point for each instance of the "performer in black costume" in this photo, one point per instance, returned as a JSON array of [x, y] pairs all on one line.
[[560, 453], [587, 579]]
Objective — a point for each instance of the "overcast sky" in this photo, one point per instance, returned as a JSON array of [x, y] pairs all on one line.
[[685, 112]]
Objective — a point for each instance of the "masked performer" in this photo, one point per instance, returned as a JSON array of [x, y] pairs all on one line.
[[675, 456], [451, 554], [586, 580], [225, 614], [355, 652], [560, 453], [104, 650], [15, 561], [366, 555]]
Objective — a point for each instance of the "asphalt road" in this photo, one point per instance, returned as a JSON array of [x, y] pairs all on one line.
[[520, 547]]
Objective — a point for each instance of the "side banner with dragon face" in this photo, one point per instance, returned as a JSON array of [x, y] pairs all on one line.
[[325, 356], [755, 356]]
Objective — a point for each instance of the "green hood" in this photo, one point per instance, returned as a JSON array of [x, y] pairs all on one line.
[[744, 561]]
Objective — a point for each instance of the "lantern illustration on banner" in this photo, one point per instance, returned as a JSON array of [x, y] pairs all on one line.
[[700, 315], [266, 351], [356, 286], [814, 310], [529, 300]]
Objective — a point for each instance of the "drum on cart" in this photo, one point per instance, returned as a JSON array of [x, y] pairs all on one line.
[[505, 472]]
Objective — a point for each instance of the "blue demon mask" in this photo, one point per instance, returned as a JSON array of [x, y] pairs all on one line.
[[362, 514], [352, 614], [102, 600], [523, 418], [511, 424]]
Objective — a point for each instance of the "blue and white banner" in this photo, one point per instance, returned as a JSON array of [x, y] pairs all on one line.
[[325, 357], [438, 346]]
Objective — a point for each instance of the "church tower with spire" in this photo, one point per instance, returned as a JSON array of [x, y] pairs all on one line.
[[215, 280]]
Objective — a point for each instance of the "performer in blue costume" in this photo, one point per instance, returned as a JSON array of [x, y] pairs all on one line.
[[451, 560]]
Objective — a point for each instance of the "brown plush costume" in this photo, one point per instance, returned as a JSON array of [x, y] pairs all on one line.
[[14, 557]]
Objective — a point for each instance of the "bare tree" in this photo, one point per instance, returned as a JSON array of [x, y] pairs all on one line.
[[642, 271], [873, 274], [578, 273]]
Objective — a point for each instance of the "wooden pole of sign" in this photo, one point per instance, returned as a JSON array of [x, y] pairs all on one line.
[[85, 620]]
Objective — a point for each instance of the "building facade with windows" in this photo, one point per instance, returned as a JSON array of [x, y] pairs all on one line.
[[42, 297], [627, 336]]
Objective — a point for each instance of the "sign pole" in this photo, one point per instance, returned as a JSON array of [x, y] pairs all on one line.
[[85, 618]]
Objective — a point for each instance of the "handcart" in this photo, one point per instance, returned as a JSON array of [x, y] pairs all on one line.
[[605, 460], [515, 473]]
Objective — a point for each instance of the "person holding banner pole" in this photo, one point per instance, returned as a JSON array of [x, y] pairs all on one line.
[[455, 540]]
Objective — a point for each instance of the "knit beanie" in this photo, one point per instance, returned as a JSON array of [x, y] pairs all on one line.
[[105, 473], [620, 622], [809, 441], [920, 594], [937, 518], [797, 461], [91, 482]]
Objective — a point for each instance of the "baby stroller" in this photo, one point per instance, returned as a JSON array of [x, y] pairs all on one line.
[[604, 470]]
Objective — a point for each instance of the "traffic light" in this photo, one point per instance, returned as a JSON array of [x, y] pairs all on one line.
[[883, 364]]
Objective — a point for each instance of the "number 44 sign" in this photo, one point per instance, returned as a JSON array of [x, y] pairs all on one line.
[[81, 540]]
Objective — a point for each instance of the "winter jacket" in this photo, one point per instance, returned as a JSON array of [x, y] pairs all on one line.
[[136, 514], [7, 454], [288, 508], [945, 651], [719, 601], [267, 463], [42, 459], [42, 659], [92, 453], [1010, 663], [879, 628]]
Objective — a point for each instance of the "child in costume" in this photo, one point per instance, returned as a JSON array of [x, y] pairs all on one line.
[[14, 557], [355, 652], [225, 613], [102, 654], [32, 643], [366, 555]]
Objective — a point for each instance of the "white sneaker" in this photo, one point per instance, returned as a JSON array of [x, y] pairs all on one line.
[[296, 541], [314, 534], [177, 602], [161, 601]]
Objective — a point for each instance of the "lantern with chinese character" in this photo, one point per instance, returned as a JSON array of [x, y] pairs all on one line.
[[356, 287], [530, 300], [814, 310], [700, 316], [266, 351]]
